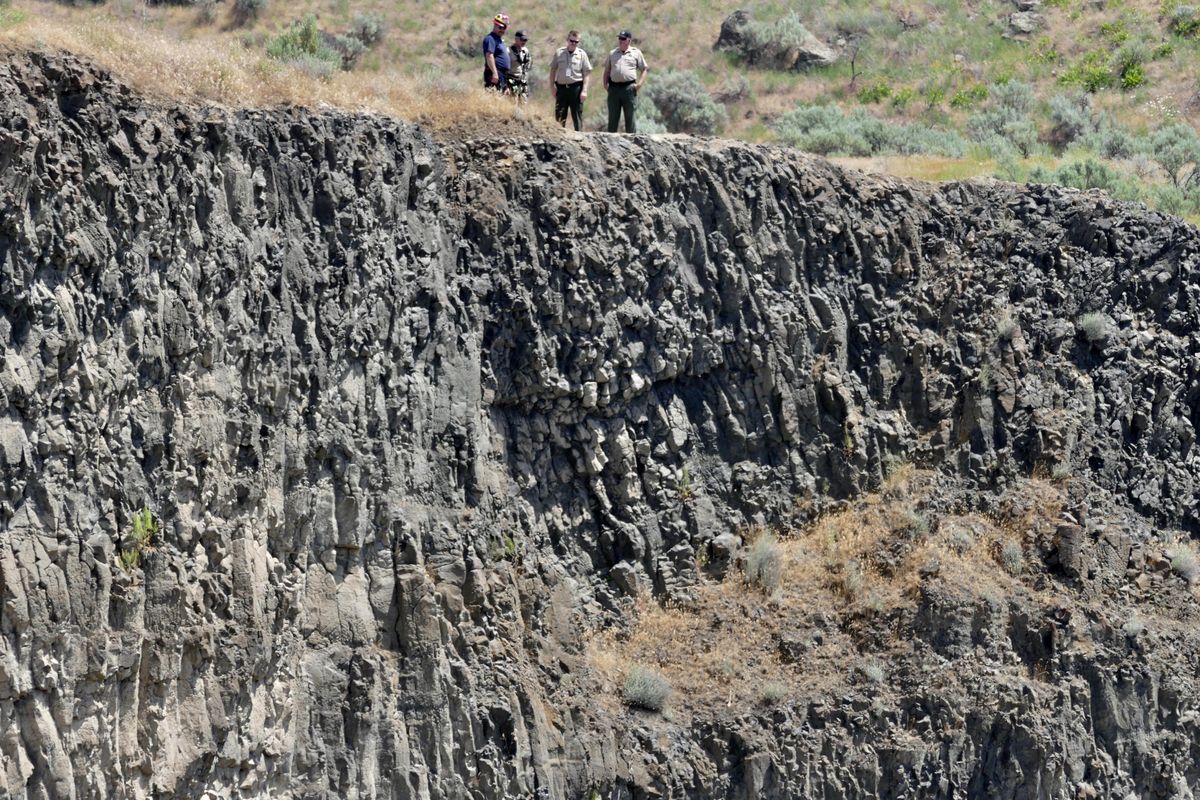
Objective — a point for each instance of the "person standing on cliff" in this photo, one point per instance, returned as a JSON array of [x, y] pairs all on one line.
[[495, 55], [520, 63], [569, 81], [624, 73]]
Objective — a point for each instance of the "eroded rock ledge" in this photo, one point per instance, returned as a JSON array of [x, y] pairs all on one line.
[[415, 416]]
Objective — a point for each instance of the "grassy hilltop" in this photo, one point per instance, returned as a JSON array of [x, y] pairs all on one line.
[[1091, 93]]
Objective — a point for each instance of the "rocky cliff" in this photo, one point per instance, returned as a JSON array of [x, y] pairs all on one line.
[[419, 419]]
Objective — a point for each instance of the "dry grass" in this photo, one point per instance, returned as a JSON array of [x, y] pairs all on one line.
[[860, 566], [211, 67]]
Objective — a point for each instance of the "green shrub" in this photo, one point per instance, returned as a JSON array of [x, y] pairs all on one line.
[[827, 130], [875, 93], [1128, 65], [774, 43], [1012, 559], [1185, 564], [1182, 201], [1133, 76], [368, 28], [1111, 141], [935, 95], [10, 16], [902, 98], [646, 688], [961, 540], [683, 104], [347, 47], [207, 10], [874, 672], [247, 10], [1114, 33], [1176, 148], [1007, 325], [1090, 173], [1090, 73], [144, 528], [1013, 95], [1134, 627], [1044, 50], [916, 525], [853, 580], [129, 560], [862, 22], [764, 564], [303, 46], [1095, 326], [773, 693], [1005, 123], [969, 97], [1184, 20], [1071, 118]]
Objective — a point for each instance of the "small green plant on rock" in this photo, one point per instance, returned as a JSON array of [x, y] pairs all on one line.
[[684, 488], [141, 537], [853, 581], [961, 540], [874, 673], [1012, 559], [142, 533], [646, 688], [1007, 326], [773, 693], [916, 524], [764, 564], [1185, 564], [1095, 326], [144, 528], [129, 560]]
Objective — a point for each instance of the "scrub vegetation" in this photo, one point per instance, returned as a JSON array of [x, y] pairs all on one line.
[[1093, 96]]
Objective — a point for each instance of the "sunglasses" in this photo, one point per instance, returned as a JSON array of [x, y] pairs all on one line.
[[572, 41], [622, 38]]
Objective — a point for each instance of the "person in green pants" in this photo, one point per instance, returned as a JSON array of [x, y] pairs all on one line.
[[624, 73]]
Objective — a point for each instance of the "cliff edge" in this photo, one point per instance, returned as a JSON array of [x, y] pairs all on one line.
[[429, 428]]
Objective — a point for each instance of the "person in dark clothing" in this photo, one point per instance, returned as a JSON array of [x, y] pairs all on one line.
[[495, 55]]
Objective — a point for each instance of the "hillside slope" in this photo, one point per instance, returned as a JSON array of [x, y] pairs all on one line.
[[434, 432]]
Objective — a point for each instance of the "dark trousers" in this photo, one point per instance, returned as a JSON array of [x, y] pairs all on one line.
[[621, 97], [500, 85], [567, 98]]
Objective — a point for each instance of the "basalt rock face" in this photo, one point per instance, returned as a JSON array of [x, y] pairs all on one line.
[[416, 414]]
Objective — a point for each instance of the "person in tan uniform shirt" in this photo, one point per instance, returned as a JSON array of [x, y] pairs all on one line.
[[624, 73], [569, 81]]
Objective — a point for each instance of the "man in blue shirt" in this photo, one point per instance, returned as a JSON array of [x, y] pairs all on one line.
[[495, 55]]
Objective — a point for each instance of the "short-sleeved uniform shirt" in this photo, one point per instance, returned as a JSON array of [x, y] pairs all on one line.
[[571, 67], [624, 67], [522, 60], [495, 45]]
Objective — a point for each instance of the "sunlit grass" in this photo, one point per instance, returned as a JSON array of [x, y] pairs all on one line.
[[10, 17]]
